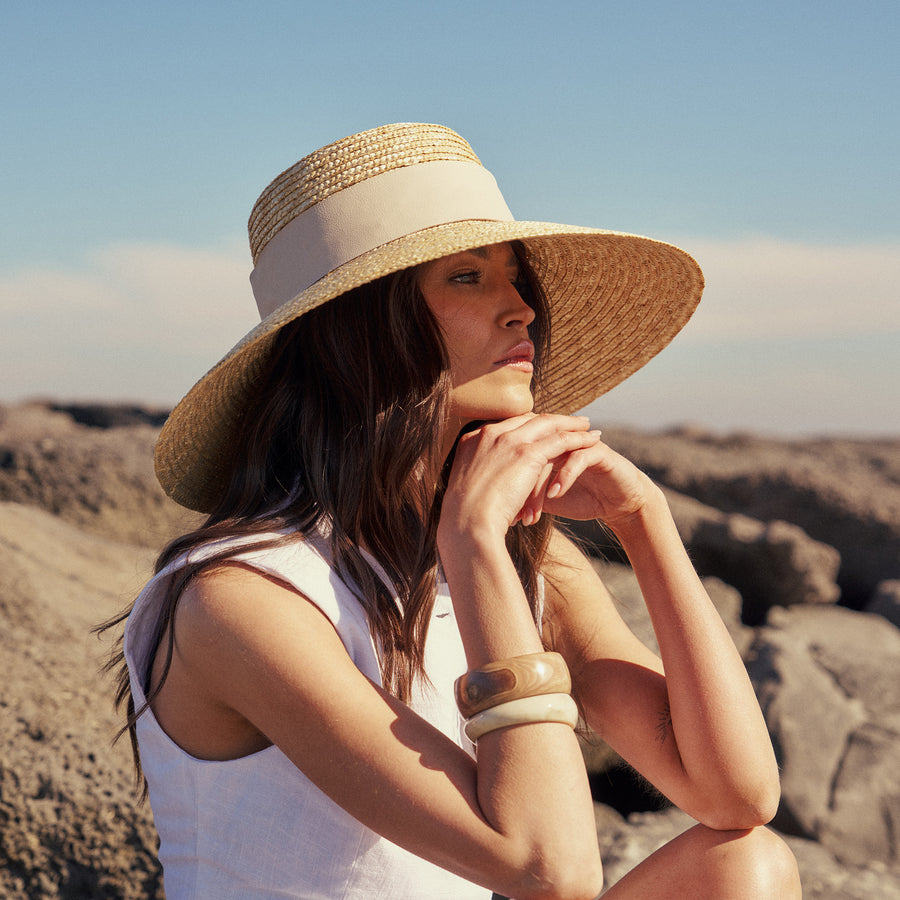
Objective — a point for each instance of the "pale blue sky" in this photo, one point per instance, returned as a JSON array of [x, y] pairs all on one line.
[[762, 137]]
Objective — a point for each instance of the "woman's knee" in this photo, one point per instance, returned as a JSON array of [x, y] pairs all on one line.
[[775, 864], [758, 862], [704, 862]]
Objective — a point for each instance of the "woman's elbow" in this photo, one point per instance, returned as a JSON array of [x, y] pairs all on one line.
[[745, 809], [567, 878]]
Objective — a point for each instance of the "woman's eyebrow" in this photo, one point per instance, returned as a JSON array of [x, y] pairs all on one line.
[[484, 253]]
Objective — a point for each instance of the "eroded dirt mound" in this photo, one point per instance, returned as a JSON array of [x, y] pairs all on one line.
[[98, 478], [69, 823]]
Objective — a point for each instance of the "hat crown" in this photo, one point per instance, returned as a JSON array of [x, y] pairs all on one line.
[[347, 162]]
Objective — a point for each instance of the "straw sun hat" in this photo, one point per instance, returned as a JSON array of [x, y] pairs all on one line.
[[396, 196]]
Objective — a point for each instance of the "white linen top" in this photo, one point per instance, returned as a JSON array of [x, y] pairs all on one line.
[[256, 827]]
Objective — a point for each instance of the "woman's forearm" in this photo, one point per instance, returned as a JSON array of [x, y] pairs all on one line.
[[715, 718], [532, 785], [491, 610]]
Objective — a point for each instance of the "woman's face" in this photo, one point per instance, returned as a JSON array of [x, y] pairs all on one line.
[[484, 322]]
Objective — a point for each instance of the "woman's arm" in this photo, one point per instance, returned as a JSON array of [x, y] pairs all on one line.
[[530, 779], [690, 724], [266, 661]]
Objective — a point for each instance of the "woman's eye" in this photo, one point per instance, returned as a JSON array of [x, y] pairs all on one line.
[[471, 277]]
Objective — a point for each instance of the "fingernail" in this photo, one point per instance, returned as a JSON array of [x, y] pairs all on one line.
[[527, 516], [554, 489]]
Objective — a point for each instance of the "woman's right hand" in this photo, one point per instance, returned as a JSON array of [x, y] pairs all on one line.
[[501, 472]]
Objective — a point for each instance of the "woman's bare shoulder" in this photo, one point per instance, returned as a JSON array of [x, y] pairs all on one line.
[[234, 607]]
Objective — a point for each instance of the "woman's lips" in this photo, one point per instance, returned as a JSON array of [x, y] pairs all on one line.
[[519, 357]]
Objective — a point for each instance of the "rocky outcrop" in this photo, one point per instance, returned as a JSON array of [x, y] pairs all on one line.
[[841, 492], [769, 563], [886, 601], [110, 415], [625, 842], [827, 682], [812, 719]]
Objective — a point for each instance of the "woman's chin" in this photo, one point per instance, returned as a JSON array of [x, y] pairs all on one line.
[[497, 413]]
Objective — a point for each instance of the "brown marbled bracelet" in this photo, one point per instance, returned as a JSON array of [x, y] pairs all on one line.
[[498, 682]]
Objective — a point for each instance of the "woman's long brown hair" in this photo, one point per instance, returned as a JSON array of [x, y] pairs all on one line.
[[341, 431]]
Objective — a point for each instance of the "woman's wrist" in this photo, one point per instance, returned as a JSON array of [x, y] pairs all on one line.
[[466, 534], [469, 557], [492, 612], [649, 515]]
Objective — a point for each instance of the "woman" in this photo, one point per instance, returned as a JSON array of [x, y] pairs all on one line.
[[380, 460]]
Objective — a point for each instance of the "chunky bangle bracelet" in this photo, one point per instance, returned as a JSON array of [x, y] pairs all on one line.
[[525, 711], [512, 679]]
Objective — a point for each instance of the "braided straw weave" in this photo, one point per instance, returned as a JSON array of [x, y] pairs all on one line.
[[345, 163], [615, 299]]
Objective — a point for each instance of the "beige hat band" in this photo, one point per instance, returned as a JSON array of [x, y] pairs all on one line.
[[366, 215]]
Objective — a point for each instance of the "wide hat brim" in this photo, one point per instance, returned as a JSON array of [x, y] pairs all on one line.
[[615, 301]]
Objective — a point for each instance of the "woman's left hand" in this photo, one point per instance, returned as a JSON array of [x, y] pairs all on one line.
[[598, 483]]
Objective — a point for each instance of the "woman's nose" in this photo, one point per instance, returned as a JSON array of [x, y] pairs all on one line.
[[515, 310]]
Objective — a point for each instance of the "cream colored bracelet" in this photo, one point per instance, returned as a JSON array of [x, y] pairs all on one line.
[[525, 711]]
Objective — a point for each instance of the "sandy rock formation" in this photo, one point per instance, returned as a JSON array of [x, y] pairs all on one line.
[[841, 492], [770, 563], [886, 601], [827, 682], [625, 842], [100, 479]]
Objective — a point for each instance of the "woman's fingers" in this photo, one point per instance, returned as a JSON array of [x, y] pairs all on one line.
[[548, 483], [519, 468], [573, 467], [531, 426], [531, 511], [597, 483], [508, 465], [536, 440]]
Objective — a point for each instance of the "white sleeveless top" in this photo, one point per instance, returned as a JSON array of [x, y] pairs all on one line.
[[256, 828]]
